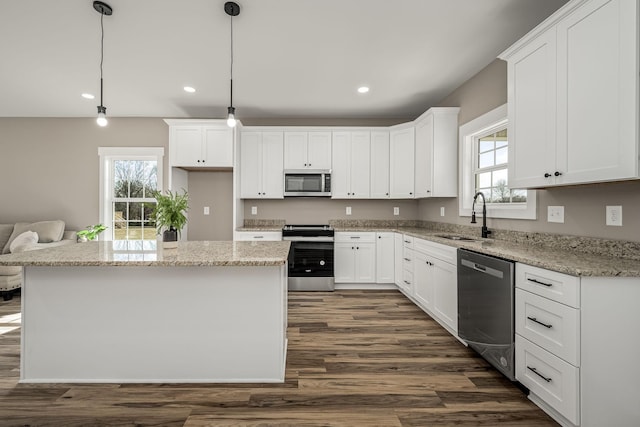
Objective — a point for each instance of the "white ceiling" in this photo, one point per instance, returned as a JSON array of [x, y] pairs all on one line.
[[293, 58]]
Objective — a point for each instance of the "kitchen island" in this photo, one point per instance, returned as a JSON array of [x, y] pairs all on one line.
[[132, 312]]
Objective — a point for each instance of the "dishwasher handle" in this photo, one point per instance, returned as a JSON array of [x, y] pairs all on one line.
[[482, 268]]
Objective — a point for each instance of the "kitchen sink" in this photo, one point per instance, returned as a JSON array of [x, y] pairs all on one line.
[[456, 237]]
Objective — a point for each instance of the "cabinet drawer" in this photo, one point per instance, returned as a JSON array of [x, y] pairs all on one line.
[[549, 284], [407, 241], [549, 377], [444, 253], [407, 259], [355, 237], [553, 326], [258, 236], [407, 281]]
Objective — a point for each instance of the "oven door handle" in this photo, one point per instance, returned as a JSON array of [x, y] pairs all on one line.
[[308, 239]]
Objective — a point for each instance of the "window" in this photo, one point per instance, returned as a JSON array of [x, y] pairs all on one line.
[[129, 176], [484, 148]]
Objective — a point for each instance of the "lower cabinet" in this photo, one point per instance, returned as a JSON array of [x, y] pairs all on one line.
[[385, 259], [355, 258]]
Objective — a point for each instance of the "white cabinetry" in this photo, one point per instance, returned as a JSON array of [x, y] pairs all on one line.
[[401, 164], [436, 153], [385, 259], [350, 173], [200, 143], [572, 95], [261, 165], [307, 150], [258, 236], [575, 346], [379, 164], [398, 254], [406, 261], [355, 257]]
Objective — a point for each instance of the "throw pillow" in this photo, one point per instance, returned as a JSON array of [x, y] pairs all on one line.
[[25, 239], [48, 231]]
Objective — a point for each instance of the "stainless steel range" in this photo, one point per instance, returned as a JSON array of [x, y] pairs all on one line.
[[310, 257]]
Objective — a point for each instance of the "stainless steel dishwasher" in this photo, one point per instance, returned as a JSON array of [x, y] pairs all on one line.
[[486, 308]]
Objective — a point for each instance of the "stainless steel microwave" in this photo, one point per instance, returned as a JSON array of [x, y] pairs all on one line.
[[307, 183]]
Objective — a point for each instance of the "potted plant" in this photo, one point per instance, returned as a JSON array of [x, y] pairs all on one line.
[[90, 233], [169, 216]]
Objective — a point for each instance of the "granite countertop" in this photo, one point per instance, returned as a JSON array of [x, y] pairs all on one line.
[[548, 256], [148, 253]]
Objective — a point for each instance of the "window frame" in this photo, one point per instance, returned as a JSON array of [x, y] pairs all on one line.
[[469, 133], [110, 154]]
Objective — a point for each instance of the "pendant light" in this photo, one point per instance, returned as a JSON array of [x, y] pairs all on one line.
[[103, 9], [232, 9]]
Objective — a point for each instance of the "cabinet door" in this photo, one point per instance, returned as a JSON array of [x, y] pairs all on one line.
[[445, 293], [531, 90], [250, 165], [295, 150], [379, 165], [319, 150], [402, 163], [341, 171], [444, 153], [272, 165], [344, 263], [365, 255], [186, 146], [217, 147], [424, 156], [423, 280], [597, 92], [385, 259], [360, 164]]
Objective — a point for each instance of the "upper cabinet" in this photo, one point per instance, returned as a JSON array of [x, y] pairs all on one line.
[[261, 165], [572, 96], [307, 150], [351, 165], [200, 144], [379, 177], [401, 161], [436, 155]]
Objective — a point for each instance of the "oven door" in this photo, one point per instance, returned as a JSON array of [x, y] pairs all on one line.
[[311, 259]]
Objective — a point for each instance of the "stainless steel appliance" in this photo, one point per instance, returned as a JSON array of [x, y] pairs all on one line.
[[486, 308], [310, 257], [307, 183]]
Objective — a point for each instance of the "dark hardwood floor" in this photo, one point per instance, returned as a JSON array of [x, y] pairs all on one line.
[[356, 358]]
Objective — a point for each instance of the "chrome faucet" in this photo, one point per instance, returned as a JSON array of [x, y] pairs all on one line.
[[485, 230]]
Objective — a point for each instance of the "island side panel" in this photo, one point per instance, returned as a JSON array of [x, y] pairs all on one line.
[[154, 324]]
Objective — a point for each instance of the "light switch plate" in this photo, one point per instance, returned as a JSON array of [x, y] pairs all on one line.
[[441, 210], [206, 210], [254, 210], [348, 210], [555, 214], [396, 210], [614, 215]]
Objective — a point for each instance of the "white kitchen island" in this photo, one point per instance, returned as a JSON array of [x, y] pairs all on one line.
[[128, 312]]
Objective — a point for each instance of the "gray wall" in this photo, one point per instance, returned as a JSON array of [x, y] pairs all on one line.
[[584, 206], [215, 190], [49, 167]]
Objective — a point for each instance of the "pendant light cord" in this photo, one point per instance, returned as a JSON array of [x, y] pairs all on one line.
[[231, 100], [101, 52]]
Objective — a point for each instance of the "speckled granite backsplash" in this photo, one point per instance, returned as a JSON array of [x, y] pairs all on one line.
[[588, 245], [276, 223]]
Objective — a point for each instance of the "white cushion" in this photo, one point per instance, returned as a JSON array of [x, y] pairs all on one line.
[[23, 240]]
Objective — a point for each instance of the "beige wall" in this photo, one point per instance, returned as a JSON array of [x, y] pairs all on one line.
[[584, 206], [49, 167], [215, 190]]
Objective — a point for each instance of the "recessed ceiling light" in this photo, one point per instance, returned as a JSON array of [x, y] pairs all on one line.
[[189, 89], [88, 96], [363, 89]]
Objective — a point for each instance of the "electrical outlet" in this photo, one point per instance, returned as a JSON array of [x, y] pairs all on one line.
[[254, 210], [555, 214], [441, 210], [348, 210], [396, 210], [206, 210], [614, 215]]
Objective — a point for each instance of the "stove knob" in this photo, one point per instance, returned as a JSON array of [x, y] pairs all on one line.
[[322, 262]]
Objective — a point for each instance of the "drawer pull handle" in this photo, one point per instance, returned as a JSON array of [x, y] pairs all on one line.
[[355, 237], [535, 371], [407, 259], [533, 319], [407, 241], [258, 237], [408, 283], [540, 283]]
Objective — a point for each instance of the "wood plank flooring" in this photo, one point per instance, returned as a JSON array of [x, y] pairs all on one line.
[[356, 358]]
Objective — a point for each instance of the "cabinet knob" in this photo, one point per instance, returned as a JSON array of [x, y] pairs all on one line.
[[386, 194], [557, 173], [428, 191], [547, 175], [309, 164], [410, 194], [198, 161]]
